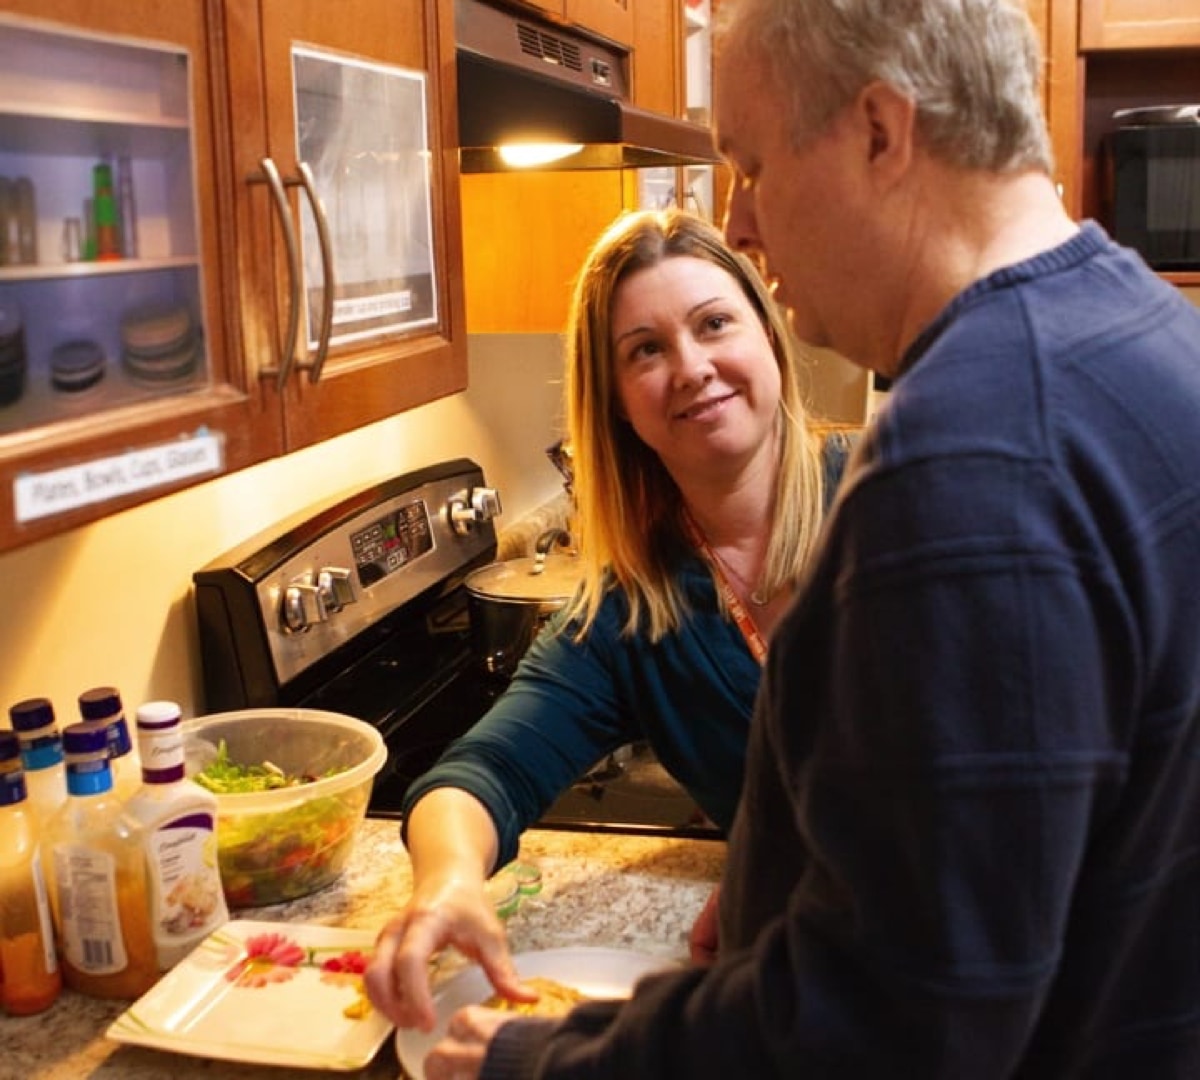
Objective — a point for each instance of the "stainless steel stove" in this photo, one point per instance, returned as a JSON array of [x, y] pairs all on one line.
[[357, 605]]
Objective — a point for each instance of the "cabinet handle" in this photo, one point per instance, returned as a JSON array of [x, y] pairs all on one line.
[[270, 176], [310, 189]]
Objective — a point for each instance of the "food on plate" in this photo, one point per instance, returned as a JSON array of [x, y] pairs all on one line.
[[554, 999]]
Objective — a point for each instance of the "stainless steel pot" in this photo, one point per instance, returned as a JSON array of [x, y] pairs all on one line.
[[510, 601]]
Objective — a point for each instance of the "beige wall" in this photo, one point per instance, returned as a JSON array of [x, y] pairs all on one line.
[[110, 604]]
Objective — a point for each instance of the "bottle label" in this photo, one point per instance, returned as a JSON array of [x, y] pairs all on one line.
[[187, 900], [42, 898], [118, 737], [41, 752], [12, 782], [91, 921], [89, 775], [161, 753]]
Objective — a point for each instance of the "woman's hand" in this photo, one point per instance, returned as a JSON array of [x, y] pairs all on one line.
[[451, 841], [702, 941], [443, 912], [459, 1056]]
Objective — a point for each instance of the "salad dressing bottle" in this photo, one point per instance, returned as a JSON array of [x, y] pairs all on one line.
[[178, 836], [30, 980], [101, 708], [99, 878]]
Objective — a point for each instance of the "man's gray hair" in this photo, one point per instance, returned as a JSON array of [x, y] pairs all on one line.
[[972, 68]]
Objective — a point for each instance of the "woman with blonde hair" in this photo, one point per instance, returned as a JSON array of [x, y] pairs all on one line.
[[633, 513], [700, 487]]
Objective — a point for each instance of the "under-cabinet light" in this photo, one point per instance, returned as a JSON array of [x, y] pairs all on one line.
[[527, 155]]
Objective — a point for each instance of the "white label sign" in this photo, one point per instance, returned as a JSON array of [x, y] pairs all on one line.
[[38, 495]]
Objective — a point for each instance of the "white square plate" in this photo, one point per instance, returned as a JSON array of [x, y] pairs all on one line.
[[267, 993]]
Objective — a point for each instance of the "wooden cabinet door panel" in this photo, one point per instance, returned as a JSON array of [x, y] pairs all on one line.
[[360, 382], [658, 56], [611, 18], [525, 236], [1139, 24]]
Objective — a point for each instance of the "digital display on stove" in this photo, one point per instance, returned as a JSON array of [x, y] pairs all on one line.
[[386, 545]]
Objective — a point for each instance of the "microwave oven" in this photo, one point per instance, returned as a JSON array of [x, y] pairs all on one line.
[[1151, 190]]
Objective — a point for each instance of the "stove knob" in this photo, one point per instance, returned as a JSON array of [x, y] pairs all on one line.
[[468, 509], [302, 606], [334, 588]]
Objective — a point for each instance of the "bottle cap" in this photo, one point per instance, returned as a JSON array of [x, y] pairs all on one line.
[[33, 714], [155, 715], [85, 741], [99, 703]]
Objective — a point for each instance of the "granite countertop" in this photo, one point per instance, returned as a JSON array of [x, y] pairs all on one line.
[[633, 892]]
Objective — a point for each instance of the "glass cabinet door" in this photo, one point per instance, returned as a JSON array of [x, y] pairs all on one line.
[[101, 303], [367, 241]]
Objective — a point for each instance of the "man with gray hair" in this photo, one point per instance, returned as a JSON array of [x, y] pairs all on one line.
[[969, 839]]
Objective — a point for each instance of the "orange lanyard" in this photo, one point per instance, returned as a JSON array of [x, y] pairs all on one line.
[[745, 622]]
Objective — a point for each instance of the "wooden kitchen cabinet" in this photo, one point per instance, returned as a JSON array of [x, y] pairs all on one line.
[[1139, 24], [658, 56], [188, 332], [357, 100], [525, 236], [94, 421], [612, 19]]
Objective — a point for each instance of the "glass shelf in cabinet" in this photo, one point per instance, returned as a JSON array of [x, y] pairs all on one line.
[[90, 268]]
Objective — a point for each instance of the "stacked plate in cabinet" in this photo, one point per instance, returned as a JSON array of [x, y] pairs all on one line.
[[76, 365], [159, 345]]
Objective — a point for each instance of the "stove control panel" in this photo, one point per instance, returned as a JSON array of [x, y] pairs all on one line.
[[279, 603]]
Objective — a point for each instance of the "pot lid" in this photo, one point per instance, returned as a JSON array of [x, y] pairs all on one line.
[[520, 579]]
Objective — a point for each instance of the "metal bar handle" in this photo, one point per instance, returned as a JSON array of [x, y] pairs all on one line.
[[326, 245], [270, 176]]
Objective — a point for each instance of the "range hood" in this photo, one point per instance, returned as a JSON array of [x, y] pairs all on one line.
[[525, 81]]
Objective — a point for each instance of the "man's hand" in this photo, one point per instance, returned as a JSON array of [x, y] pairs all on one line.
[[703, 940], [459, 1056]]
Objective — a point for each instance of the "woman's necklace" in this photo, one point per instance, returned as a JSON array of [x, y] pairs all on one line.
[[753, 596], [755, 642]]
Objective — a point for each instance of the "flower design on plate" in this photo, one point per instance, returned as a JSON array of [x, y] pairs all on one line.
[[275, 958], [270, 958], [346, 969]]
